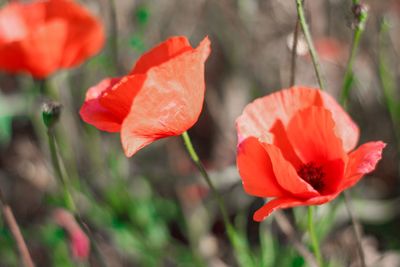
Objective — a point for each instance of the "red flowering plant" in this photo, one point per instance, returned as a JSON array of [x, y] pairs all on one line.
[[162, 95], [296, 146], [42, 37]]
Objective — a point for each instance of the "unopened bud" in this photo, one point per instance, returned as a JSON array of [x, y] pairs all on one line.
[[51, 113]]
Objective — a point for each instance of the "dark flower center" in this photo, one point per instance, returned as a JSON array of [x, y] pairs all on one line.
[[312, 174]]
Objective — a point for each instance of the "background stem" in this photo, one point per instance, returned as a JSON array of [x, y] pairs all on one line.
[[16, 233], [294, 53], [349, 76]]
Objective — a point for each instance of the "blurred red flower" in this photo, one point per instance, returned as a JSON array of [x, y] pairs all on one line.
[[294, 147], [43, 36], [79, 242], [162, 96]]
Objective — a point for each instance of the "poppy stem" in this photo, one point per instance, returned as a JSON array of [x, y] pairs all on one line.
[[313, 236], [361, 15], [242, 254], [16, 233], [69, 203], [356, 227], [294, 53], [50, 117], [388, 80], [311, 48], [114, 35]]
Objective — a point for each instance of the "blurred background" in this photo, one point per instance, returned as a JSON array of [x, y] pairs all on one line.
[[154, 209]]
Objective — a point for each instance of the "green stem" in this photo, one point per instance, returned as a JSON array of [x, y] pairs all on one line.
[[68, 200], [388, 83], [349, 76], [200, 167], [311, 48], [114, 36], [242, 253], [313, 236], [361, 15]]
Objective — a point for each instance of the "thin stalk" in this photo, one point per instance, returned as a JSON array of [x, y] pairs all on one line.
[[313, 236], [286, 227], [242, 254], [69, 203], [294, 53], [50, 114], [388, 83], [349, 75], [311, 48], [16, 233], [114, 35], [361, 15], [356, 228]]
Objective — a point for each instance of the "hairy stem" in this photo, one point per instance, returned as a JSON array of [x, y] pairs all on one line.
[[313, 236], [361, 15], [242, 253], [361, 18], [311, 48]]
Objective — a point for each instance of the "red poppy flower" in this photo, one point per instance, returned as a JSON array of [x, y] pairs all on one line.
[[162, 96], [294, 147], [44, 36]]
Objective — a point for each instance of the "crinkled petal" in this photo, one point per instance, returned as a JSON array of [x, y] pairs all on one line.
[[288, 202], [170, 100], [255, 169], [94, 113], [362, 161], [165, 51], [345, 128], [286, 175], [311, 133], [260, 116]]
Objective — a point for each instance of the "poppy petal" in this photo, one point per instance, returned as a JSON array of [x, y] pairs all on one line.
[[281, 140], [255, 168], [286, 175], [362, 161], [58, 32], [333, 175], [345, 128], [283, 203], [168, 104], [94, 113], [85, 34], [168, 49], [281, 105], [311, 132], [118, 98], [43, 43]]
